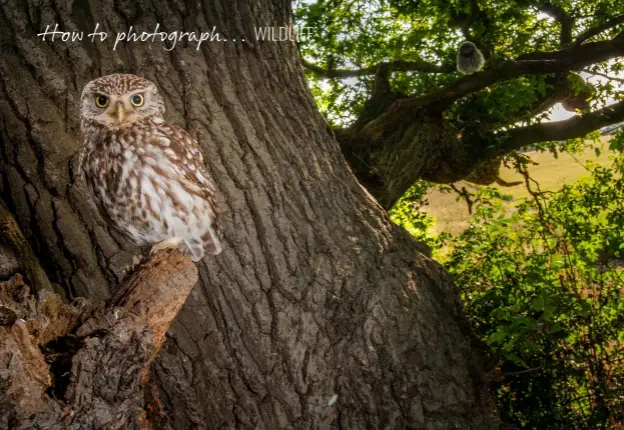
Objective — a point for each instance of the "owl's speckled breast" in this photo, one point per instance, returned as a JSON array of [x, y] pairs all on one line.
[[137, 183]]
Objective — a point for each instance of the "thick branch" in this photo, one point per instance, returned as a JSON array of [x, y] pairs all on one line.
[[153, 294], [96, 373], [560, 61], [594, 31], [395, 66], [563, 18], [574, 127]]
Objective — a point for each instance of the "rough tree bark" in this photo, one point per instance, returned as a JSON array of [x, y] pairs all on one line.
[[319, 313], [85, 366]]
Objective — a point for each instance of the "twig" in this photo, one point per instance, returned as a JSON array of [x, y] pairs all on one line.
[[466, 195], [611, 78], [521, 372]]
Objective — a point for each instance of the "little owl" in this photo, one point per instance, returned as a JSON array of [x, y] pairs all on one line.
[[146, 177]]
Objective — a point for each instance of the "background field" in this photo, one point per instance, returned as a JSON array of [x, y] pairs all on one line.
[[452, 215]]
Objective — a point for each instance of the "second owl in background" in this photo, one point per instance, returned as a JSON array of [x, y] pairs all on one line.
[[147, 177], [469, 58]]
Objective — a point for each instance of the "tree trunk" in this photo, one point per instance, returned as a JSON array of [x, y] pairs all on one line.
[[425, 148], [389, 150], [319, 313]]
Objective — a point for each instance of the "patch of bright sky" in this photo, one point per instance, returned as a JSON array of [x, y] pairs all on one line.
[[559, 113]]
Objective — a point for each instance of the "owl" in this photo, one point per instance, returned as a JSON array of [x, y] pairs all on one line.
[[146, 177], [469, 58]]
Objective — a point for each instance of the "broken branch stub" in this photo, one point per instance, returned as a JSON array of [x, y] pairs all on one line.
[[92, 374]]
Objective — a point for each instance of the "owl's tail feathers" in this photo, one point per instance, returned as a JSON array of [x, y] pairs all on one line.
[[212, 244], [195, 248], [209, 242]]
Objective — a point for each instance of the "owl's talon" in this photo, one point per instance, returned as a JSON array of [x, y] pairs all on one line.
[[129, 268], [166, 244]]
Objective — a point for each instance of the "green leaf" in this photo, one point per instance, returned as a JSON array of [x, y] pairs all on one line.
[[539, 302]]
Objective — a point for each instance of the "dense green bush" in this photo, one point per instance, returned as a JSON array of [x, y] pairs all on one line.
[[542, 283]]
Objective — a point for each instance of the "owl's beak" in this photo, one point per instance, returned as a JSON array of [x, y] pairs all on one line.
[[120, 113]]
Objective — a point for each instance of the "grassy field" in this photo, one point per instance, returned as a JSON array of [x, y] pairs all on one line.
[[452, 215]]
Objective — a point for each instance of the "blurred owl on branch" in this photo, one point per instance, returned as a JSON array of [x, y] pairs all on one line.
[[146, 177]]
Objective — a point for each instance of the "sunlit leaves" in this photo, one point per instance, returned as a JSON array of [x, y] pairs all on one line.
[[352, 34], [543, 285], [407, 213]]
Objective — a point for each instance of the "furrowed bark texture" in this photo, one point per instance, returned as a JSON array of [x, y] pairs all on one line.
[[319, 313], [82, 366], [389, 151]]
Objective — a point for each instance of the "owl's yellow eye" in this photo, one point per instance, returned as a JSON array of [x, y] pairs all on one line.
[[137, 100], [101, 101]]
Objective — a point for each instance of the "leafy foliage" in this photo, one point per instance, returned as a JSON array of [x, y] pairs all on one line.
[[354, 34], [408, 215], [543, 285]]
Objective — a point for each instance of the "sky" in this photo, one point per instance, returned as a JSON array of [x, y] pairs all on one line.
[[559, 113]]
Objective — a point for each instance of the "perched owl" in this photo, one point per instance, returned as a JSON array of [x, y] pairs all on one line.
[[469, 58], [146, 177]]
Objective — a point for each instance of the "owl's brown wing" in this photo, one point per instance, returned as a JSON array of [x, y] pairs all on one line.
[[91, 178], [188, 161], [185, 155]]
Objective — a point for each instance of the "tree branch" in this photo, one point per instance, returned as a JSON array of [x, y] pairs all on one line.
[[563, 18], [574, 127], [395, 66], [611, 78], [560, 89], [559, 61], [382, 81], [594, 31], [92, 376], [475, 12]]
